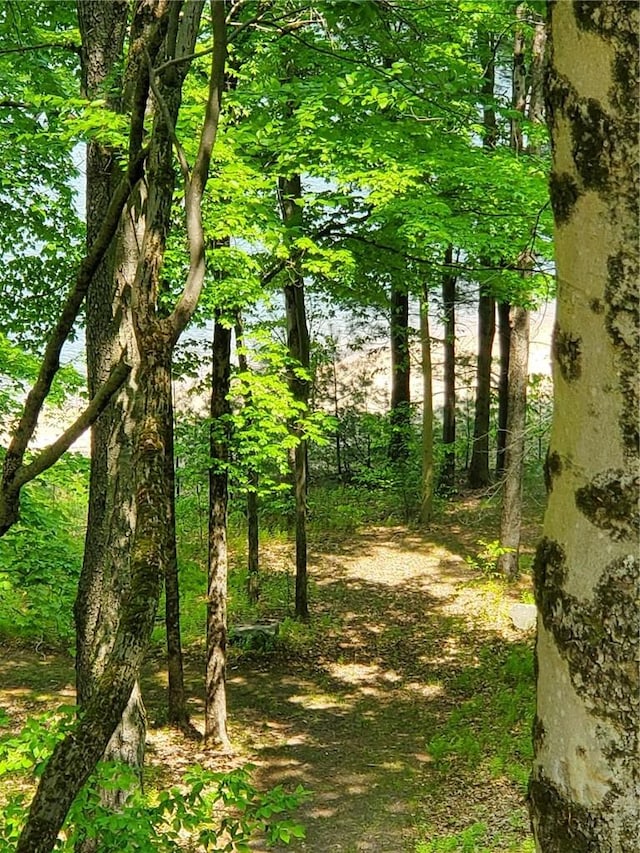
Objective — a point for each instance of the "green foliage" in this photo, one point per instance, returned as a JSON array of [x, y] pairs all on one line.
[[486, 560], [216, 811], [475, 839], [41, 556], [491, 730]]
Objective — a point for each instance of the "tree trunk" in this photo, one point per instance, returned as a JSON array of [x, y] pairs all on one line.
[[479, 476], [400, 414], [253, 481], [515, 443], [215, 715], [585, 787], [504, 338], [448, 471], [105, 575], [75, 757], [426, 504], [298, 344], [177, 712]]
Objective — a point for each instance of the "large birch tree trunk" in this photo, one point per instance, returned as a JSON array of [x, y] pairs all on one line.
[[585, 787]]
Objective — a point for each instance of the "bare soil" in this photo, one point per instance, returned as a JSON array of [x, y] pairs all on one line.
[[397, 617]]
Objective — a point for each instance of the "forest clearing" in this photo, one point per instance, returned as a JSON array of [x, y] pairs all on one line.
[[319, 426]]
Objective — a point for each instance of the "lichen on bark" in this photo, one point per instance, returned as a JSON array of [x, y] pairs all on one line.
[[611, 502], [567, 353]]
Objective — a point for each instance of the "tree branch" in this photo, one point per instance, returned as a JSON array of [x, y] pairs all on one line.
[[49, 455], [194, 190], [51, 359]]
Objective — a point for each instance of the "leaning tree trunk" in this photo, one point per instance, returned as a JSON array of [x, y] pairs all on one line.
[[479, 475], [504, 338], [515, 442], [215, 714], [448, 472], [400, 413], [104, 579], [585, 787], [75, 757], [298, 344], [426, 504]]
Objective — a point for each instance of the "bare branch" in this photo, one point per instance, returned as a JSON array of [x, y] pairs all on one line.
[[50, 454], [52, 45], [194, 190]]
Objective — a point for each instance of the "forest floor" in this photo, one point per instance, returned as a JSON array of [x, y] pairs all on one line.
[[405, 707]]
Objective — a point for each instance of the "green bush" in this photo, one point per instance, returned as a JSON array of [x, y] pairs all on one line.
[[208, 810]]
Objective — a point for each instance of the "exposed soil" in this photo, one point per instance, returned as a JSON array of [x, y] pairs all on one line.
[[397, 618]]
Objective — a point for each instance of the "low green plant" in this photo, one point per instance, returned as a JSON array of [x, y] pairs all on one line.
[[213, 811], [486, 560], [474, 839]]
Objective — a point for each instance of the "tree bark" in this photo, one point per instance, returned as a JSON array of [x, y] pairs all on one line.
[[400, 414], [105, 577], [426, 504], [585, 788], [479, 476], [215, 715], [448, 471], [253, 481], [504, 338], [75, 757], [515, 442], [298, 345], [177, 712]]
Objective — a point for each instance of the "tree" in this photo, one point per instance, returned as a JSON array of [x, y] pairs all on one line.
[[215, 716], [426, 503], [447, 480], [526, 89], [290, 193], [75, 757], [584, 791]]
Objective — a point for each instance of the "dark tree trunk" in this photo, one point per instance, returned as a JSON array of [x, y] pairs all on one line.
[[504, 338], [448, 471], [479, 475], [298, 345], [426, 504], [177, 712], [400, 414], [215, 715], [515, 444], [253, 482]]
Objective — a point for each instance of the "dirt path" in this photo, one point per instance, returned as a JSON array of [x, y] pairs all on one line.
[[353, 723], [354, 714]]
